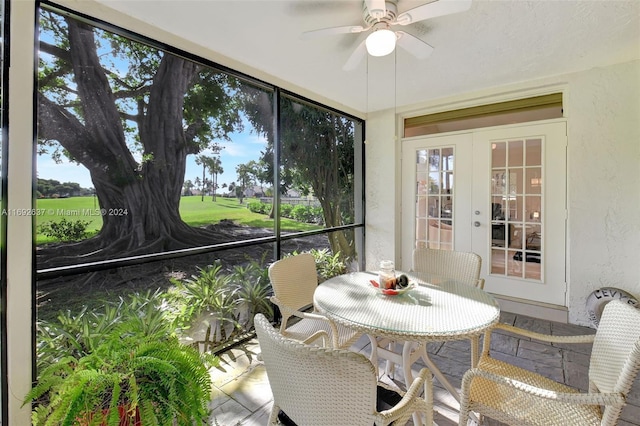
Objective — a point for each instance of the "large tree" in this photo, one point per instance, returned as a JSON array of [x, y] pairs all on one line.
[[317, 157], [131, 115]]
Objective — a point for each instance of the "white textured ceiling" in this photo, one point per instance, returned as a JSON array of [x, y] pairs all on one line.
[[492, 44]]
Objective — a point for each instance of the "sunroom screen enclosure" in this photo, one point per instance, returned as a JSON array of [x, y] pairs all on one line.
[[156, 167]]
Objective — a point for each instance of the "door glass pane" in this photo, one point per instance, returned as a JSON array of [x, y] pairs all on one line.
[[533, 180], [434, 206], [499, 154], [515, 181], [434, 183], [516, 205], [515, 153], [534, 151], [498, 182], [434, 159]]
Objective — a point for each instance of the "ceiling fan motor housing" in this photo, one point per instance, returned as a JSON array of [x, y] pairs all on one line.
[[390, 15], [379, 16]]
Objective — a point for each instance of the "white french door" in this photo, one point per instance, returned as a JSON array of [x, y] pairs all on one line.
[[500, 193]]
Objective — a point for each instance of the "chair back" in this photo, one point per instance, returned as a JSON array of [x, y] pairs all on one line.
[[458, 265], [294, 279], [314, 385], [615, 356]]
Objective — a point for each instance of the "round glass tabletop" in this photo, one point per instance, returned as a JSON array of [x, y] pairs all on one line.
[[435, 308]]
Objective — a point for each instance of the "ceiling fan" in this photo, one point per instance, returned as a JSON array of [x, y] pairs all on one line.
[[380, 16]]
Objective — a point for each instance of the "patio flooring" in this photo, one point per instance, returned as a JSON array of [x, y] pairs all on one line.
[[242, 397]]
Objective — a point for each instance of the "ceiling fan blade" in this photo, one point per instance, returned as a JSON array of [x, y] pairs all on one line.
[[349, 29], [376, 8], [413, 45], [433, 10], [356, 57]]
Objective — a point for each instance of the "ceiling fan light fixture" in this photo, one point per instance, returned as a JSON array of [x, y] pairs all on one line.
[[381, 42]]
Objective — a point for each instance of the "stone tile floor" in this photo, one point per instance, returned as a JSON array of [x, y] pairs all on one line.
[[242, 397]]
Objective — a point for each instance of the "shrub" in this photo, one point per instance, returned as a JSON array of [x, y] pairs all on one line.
[[266, 208], [285, 210], [65, 230], [317, 215], [327, 265], [303, 213], [255, 206], [208, 291], [253, 288]]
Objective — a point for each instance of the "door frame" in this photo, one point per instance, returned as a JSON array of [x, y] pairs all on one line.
[[557, 161], [462, 208]]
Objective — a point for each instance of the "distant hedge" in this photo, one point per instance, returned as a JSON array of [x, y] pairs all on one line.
[[300, 212]]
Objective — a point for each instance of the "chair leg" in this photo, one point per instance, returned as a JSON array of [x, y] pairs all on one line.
[[273, 417], [428, 393], [475, 350], [374, 352], [463, 420], [391, 367]]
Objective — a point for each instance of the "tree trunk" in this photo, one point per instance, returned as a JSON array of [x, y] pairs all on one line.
[[337, 240], [139, 201], [326, 183]]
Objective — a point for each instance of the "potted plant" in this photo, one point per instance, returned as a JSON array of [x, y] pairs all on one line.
[[129, 371], [157, 381]]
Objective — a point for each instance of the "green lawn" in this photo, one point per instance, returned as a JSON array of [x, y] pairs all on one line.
[[193, 210]]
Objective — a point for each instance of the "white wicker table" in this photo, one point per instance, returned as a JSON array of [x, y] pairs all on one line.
[[435, 310]]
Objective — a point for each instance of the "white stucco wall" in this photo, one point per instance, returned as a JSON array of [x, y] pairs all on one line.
[[602, 107], [603, 111], [381, 190]]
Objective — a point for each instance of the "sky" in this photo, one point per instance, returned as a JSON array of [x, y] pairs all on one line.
[[243, 147]]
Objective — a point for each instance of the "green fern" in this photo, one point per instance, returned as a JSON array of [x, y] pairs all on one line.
[[78, 334], [168, 383]]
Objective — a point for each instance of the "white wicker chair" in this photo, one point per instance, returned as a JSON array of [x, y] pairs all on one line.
[[517, 396], [294, 279], [323, 386], [460, 266]]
